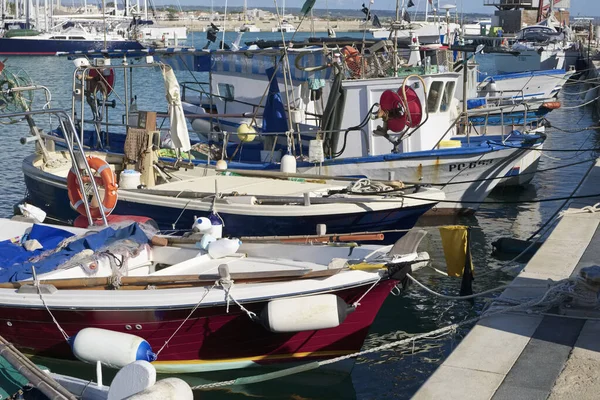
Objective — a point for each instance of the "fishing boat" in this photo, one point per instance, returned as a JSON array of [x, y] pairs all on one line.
[[544, 46], [356, 142], [247, 205], [257, 305]]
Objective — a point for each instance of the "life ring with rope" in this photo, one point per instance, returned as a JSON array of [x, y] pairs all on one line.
[[101, 80], [105, 178]]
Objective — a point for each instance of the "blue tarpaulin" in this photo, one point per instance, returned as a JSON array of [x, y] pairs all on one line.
[[16, 262], [274, 117]]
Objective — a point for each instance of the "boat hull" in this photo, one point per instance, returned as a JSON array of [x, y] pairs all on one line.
[[212, 339], [41, 47], [49, 192]]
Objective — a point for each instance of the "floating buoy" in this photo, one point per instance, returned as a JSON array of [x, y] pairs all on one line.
[[221, 165], [288, 164], [114, 349], [304, 313], [246, 133]]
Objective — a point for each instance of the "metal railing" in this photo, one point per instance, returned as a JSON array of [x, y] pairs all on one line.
[[73, 143]]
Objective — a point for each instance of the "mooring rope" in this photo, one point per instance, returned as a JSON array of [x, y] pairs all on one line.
[[558, 290]]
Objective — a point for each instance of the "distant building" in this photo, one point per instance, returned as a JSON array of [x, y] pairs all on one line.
[[513, 15]]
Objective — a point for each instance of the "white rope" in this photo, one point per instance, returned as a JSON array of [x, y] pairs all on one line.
[[357, 302], [227, 285], [558, 290], [443, 296], [36, 282], [185, 320], [584, 210]]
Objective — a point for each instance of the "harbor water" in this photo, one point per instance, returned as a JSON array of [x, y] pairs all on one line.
[[391, 374]]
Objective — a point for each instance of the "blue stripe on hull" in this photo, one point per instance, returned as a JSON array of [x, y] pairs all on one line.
[[16, 46], [54, 200]]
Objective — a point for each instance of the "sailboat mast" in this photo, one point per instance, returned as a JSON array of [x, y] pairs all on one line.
[[27, 14]]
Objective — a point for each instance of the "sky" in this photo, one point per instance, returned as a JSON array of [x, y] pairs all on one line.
[[578, 7]]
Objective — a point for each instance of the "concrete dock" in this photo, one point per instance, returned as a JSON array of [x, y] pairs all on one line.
[[527, 356]]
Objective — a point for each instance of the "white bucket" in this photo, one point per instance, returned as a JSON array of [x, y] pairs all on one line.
[[130, 179]]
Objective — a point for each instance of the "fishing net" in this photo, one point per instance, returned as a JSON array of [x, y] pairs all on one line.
[[13, 100]]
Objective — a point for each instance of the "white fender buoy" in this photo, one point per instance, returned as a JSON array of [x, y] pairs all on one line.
[[221, 165], [131, 379], [288, 164], [202, 225], [304, 313], [114, 349], [201, 125], [166, 389], [223, 247]]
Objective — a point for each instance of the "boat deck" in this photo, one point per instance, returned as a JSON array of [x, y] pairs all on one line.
[[527, 356]]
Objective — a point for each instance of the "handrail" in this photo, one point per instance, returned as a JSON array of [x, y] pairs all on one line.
[[68, 128]]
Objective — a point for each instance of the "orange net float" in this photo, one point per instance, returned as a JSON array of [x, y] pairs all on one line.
[[551, 105], [104, 177], [400, 113], [353, 60]]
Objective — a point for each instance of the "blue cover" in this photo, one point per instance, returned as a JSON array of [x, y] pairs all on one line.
[[16, 262], [476, 103], [274, 117]]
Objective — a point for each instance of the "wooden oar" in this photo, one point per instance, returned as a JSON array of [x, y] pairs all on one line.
[[142, 282], [350, 237]]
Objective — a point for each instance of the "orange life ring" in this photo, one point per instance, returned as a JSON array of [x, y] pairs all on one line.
[[106, 179], [353, 60]]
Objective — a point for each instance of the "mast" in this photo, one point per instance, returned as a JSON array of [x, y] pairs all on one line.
[[45, 15], [27, 2], [245, 10]]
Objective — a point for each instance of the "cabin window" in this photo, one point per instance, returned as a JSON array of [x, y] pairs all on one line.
[[77, 37], [58, 37], [447, 97], [226, 91], [435, 90]]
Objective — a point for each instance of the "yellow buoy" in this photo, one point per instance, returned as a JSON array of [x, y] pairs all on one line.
[[445, 144], [246, 133]]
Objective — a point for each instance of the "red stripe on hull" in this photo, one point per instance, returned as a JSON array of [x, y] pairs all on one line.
[[211, 333]]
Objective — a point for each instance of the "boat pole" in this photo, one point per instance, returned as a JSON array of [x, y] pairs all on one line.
[[39, 379], [464, 99]]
